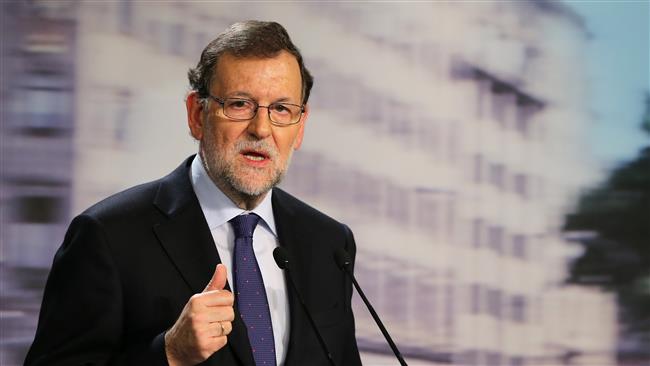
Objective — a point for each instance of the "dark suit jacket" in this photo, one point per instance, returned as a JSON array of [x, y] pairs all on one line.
[[128, 265]]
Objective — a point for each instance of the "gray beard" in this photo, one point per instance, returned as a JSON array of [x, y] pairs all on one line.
[[223, 172]]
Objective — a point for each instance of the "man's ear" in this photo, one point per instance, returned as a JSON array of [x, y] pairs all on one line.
[[301, 126], [195, 114]]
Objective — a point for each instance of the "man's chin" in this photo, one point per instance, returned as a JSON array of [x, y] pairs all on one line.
[[252, 192], [253, 187]]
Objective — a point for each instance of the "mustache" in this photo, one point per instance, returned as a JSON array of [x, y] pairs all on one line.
[[257, 145]]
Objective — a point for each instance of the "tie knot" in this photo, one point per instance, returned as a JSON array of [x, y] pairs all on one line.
[[244, 225]]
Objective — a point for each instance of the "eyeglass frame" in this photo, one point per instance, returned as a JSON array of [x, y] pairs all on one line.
[[268, 110]]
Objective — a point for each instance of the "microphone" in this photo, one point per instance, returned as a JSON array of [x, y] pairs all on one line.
[[343, 260], [282, 259]]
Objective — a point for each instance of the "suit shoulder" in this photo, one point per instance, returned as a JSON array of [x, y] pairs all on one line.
[[304, 210], [127, 203]]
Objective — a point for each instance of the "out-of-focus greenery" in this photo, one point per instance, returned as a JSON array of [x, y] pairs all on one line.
[[614, 219]]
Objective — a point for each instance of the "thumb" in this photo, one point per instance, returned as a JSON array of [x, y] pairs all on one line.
[[218, 280]]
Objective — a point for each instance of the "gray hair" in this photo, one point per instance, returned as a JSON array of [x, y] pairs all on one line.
[[250, 38]]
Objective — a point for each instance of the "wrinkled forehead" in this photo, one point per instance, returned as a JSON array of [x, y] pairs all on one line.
[[280, 72]]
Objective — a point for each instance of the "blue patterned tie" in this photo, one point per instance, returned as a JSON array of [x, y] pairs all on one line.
[[250, 295]]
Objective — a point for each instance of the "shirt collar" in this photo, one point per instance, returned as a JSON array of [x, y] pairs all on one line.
[[217, 208]]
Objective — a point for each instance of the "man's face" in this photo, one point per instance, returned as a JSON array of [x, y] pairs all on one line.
[[249, 157]]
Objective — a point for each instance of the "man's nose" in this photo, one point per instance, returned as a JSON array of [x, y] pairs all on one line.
[[260, 126]]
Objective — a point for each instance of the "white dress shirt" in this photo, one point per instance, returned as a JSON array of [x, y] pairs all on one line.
[[218, 209]]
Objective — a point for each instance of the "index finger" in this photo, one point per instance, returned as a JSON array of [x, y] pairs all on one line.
[[217, 298]]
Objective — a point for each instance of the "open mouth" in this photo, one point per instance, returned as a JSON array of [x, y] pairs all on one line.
[[255, 155]]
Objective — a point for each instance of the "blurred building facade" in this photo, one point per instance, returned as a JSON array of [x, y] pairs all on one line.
[[38, 67], [449, 136]]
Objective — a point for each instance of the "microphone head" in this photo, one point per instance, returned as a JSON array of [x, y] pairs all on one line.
[[281, 257], [342, 258]]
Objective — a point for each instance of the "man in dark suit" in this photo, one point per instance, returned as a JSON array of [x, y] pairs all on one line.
[[145, 276]]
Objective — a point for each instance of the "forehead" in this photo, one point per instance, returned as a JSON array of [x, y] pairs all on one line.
[[277, 74]]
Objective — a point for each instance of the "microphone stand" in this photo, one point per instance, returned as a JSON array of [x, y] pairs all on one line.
[[344, 263], [282, 260]]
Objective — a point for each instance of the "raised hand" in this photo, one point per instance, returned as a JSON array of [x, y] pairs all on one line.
[[204, 324]]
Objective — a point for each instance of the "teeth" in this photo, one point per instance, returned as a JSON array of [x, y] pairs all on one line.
[[255, 157]]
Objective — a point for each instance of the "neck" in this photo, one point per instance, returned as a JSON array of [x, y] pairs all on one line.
[[241, 200]]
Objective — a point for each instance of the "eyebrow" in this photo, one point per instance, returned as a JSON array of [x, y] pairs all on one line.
[[239, 94], [242, 94]]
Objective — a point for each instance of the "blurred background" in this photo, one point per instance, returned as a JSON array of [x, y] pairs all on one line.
[[491, 157]]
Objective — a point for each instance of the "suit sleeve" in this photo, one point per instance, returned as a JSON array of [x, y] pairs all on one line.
[[351, 352], [81, 318]]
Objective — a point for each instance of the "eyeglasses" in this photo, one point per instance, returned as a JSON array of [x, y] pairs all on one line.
[[241, 109]]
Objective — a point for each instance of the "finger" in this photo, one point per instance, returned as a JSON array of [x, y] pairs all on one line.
[[219, 342], [227, 327], [218, 280], [213, 314], [217, 298], [219, 329]]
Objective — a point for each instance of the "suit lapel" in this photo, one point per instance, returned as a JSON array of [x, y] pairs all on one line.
[[285, 222], [186, 238]]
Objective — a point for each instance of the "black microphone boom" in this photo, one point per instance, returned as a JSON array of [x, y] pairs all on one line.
[[343, 261], [283, 261]]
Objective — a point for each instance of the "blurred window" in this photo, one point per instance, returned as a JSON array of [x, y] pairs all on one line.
[[495, 238], [43, 104], [519, 246], [111, 116], [494, 303], [396, 302], [521, 185], [366, 193], [450, 309], [504, 104], [304, 177], [347, 95], [430, 138], [373, 193], [327, 92], [518, 308], [476, 295], [499, 105], [525, 112], [478, 168], [331, 183], [496, 175], [493, 358], [483, 96], [450, 222], [125, 16], [425, 135], [37, 209], [517, 361], [45, 109], [153, 29], [426, 219], [371, 280], [453, 138], [477, 232], [176, 40], [52, 9], [399, 121], [371, 107], [430, 58], [469, 358], [426, 306], [398, 204], [202, 41]]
